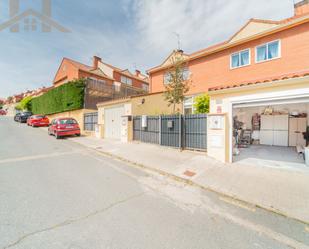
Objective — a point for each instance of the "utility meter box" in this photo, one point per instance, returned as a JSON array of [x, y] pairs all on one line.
[[144, 121], [216, 122], [170, 124]]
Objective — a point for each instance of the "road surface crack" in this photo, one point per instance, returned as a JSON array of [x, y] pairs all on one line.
[[72, 221]]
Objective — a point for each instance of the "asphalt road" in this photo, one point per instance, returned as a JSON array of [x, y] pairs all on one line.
[[57, 194]]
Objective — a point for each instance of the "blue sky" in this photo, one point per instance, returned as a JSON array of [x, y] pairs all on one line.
[[124, 33]]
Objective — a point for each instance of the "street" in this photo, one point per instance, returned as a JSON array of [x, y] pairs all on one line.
[[59, 194]]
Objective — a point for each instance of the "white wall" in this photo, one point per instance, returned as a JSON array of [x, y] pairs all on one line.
[[245, 114]]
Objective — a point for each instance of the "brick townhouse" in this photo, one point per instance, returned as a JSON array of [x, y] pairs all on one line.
[[260, 74]]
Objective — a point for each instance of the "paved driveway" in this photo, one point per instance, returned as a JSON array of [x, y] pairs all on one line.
[[58, 194]]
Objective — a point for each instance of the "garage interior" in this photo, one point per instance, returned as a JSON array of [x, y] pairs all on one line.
[[271, 134]]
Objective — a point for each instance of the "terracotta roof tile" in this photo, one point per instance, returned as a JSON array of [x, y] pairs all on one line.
[[262, 80]]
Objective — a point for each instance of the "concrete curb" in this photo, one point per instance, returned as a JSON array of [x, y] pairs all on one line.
[[192, 183]]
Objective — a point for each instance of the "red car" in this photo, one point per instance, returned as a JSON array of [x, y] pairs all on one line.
[[2, 112], [62, 127], [38, 121]]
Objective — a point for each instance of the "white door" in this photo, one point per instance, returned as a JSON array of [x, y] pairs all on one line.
[[112, 123]]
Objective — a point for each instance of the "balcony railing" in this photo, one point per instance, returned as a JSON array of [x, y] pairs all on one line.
[[98, 91]]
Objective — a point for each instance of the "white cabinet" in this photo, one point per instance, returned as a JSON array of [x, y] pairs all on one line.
[[297, 127], [274, 130], [266, 137], [281, 122], [281, 138], [267, 122]]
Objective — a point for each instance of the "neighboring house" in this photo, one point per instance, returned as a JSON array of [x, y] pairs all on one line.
[[115, 117], [103, 83], [17, 98], [11, 102], [261, 51], [121, 76], [71, 70], [258, 82], [2, 101]]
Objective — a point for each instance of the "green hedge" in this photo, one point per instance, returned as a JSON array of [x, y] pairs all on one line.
[[67, 97]]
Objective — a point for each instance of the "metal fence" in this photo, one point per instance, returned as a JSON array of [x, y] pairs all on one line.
[[90, 120], [195, 131], [151, 133], [180, 131]]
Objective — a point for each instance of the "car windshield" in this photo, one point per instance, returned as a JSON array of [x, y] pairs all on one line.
[[67, 121], [38, 117], [26, 113]]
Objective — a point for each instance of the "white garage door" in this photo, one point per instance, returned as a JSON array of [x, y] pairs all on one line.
[[113, 122]]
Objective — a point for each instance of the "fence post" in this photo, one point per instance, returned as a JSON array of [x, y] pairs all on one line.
[[180, 132], [160, 125], [140, 130]]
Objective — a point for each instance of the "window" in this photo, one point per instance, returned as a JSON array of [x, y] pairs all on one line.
[[188, 105], [240, 59], [186, 74], [126, 80], [97, 81], [168, 77], [67, 121], [268, 51], [145, 87]]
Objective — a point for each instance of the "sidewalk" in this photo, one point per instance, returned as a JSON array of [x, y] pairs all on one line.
[[281, 190]]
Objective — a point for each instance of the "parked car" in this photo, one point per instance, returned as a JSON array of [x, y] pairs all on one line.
[[62, 127], [22, 118], [2, 112], [16, 117], [38, 121]]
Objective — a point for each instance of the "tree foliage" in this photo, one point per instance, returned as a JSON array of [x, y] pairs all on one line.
[[25, 104], [201, 104], [177, 83], [67, 97]]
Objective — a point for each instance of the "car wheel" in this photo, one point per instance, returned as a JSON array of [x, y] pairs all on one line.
[[57, 136], [78, 135]]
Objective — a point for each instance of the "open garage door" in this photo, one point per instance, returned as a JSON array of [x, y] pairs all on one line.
[[113, 119], [271, 132]]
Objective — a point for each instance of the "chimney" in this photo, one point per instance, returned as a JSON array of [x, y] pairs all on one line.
[[301, 8], [137, 73], [96, 61]]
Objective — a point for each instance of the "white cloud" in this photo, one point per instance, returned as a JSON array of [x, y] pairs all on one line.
[[145, 37], [200, 23]]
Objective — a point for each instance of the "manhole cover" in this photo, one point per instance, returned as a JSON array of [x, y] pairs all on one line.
[[189, 173]]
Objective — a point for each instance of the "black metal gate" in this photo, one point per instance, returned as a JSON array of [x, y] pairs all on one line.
[[179, 131], [195, 131], [149, 134], [90, 120], [171, 131]]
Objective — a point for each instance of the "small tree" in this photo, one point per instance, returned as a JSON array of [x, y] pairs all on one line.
[[9, 99], [201, 104], [25, 104], [177, 83]]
